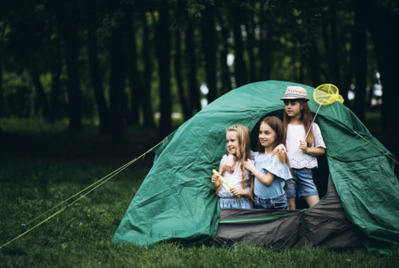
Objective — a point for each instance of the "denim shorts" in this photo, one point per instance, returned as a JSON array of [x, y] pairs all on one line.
[[302, 184], [234, 202], [279, 202]]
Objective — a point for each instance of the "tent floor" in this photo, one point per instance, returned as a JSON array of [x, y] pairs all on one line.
[[324, 225]]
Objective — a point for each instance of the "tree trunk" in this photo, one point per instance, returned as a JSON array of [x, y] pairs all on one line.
[[314, 63], [349, 72], [117, 82], [209, 49], [360, 60], [239, 64], [195, 102], [2, 100], [163, 43], [67, 14], [334, 47], [56, 70], [224, 68], [178, 64], [148, 113], [329, 34], [297, 61], [94, 67], [383, 23], [265, 44], [41, 96], [251, 46], [3, 109], [136, 84]]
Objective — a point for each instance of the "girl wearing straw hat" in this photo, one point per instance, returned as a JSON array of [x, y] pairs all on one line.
[[304, 143]]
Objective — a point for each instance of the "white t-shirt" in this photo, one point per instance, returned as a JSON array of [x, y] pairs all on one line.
[[296, 133], [233, 179]]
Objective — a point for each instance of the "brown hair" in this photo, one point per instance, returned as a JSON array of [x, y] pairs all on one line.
[[278, 127], [306, 118]]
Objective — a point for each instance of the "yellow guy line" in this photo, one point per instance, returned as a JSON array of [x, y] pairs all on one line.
[[387, 155], [94, 186]]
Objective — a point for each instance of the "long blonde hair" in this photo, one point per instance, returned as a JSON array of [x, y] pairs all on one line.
[[243, 153]]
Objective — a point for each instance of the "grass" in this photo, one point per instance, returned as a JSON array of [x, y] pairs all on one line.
[[40, 166]]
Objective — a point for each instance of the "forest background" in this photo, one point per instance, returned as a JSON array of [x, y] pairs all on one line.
[[143, 63]]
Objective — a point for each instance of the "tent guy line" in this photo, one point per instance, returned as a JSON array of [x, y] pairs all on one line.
[[93, 187], [384, 153]]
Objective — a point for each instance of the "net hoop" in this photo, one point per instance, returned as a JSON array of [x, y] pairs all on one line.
[[326, 94]]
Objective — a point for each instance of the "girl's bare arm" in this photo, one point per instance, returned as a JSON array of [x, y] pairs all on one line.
[[266, 179], [240, 191], [230, 163], [313, 151]]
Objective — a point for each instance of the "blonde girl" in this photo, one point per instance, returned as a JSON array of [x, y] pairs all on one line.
[[239, 195]]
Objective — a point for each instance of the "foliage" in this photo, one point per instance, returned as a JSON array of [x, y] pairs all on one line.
[[292, 31]]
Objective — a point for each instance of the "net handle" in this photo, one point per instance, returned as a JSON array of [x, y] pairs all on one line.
[[311, 125]]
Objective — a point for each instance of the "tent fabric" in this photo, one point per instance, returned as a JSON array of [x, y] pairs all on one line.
[[324, 225], [176, 199]]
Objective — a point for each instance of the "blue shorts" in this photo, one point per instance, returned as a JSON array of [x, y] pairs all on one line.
[[234, 202], [279, 202], [302, 184]]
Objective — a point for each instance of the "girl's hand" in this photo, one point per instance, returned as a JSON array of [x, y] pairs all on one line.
[[215, 180], [249, 164], [280, 149], [313, 151], [237, 191], [230, 163], [303, 145]]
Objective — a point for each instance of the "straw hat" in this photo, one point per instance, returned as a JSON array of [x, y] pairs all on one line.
[[295, 92]]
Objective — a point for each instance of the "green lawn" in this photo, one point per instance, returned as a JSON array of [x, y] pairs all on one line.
[[40, 166]]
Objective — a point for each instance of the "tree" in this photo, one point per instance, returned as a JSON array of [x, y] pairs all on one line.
[[240, 69], [209, 49], [180, 26], [56, 71], [135, 80], [191, 62], [265, 44], [47, 44], [147, 74], [225, 75], [117, 79], [383, 20], [163, 47], [94, 65], [360, 60], [2, 41], [66, 13]]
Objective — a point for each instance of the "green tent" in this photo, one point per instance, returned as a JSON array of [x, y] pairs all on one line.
[[177, 202]]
